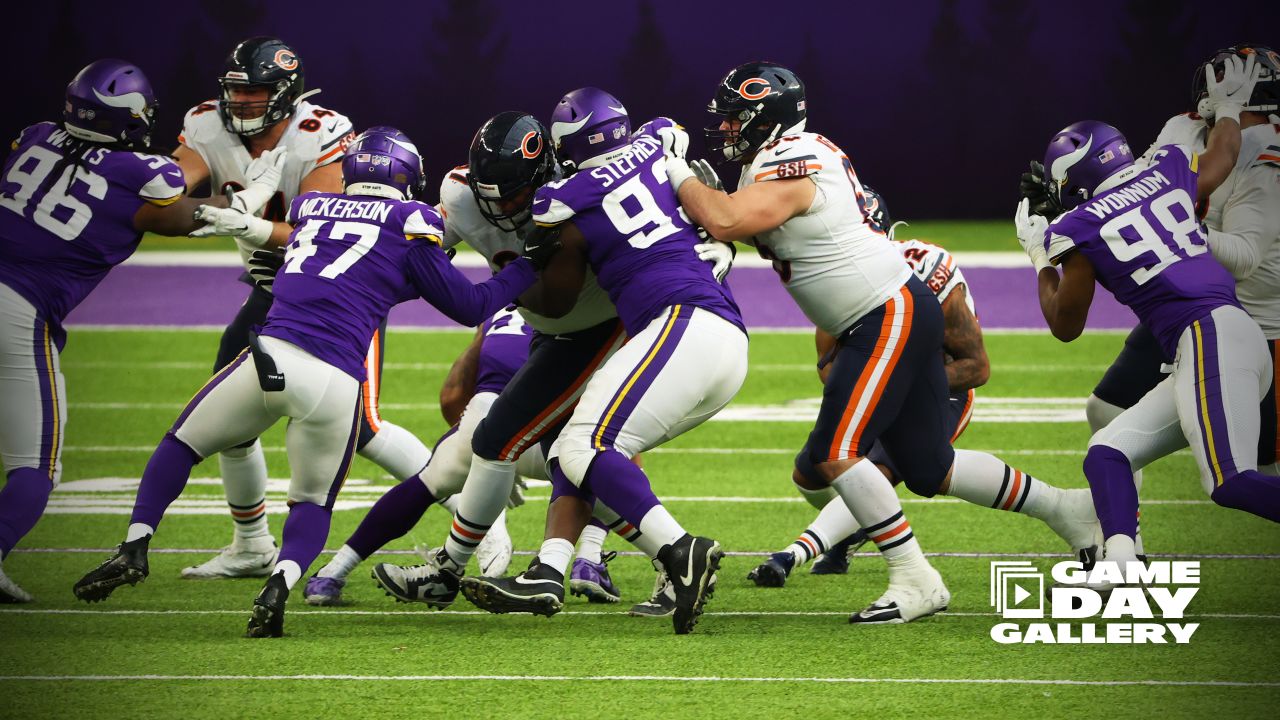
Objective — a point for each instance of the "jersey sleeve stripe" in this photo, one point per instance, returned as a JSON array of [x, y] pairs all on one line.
[[338, 139], [771, 163], [164, 202], [458, 178], [331, 154], [774, 173]]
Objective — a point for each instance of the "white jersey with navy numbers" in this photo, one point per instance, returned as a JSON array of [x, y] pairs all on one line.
[[1246, 206], [463, 223], [830, 259], [936, 268], [314, 137]]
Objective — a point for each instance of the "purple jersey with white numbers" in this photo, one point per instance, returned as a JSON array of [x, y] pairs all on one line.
[[351, 259], [1147, 247], [504, 347], [63, 226], [639, 242]]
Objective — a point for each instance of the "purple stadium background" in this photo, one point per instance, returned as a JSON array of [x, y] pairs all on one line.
[[939, 102]]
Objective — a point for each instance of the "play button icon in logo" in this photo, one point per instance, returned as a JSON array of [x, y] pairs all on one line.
[[1017, 589]]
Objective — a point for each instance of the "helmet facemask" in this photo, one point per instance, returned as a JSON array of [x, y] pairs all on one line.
[[275, 108], [491, 198]]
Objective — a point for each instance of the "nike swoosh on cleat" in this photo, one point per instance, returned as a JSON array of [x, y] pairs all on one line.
[[881, 614], [687, 578], [521, 580]]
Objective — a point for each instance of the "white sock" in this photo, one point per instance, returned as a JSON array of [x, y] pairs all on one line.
[[591, 542], [833, 524], [244, 480], [482, 500], [1119, 548], [343, 562], [626, 531], [292, 573], [873, 503], [138, 530], [451, 503], [660, 526], [397, 451], [819, 499], [984, 479], [556, 553]]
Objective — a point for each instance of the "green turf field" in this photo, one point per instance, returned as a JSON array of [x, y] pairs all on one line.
[[757, 652]]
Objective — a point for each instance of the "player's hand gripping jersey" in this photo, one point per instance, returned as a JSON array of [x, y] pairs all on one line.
[[832, 262], [63, 226], [314, 137], [1146, 245]]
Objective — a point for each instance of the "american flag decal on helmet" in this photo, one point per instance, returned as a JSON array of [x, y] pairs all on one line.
[[595, 138]]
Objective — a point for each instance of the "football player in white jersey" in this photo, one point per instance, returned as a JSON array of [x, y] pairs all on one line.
[[262, 108], [835, 532], [801, 204]]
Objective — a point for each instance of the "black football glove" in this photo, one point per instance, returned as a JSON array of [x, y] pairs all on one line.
[[1035, 189], [263, 266], [541, 244]]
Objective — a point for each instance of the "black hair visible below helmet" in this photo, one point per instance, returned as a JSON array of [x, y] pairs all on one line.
[[766, 98], [1266, 92], [510, 153], [260, 62]]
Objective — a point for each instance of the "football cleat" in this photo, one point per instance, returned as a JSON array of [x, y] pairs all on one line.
[[324, 590], [538, 590], [434, 584], [592, 580], [774, 571], [10, 593], [246, 557], [267, 619], [493, 554], [911, 595], [661, 603], [128, 566], [836, 560], [1075, 521], [691, 563]]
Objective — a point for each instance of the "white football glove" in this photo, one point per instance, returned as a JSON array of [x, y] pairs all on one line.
[[706, 174], [228, 221], [1031, 230], [263, 176], [675, 141], [1227, 97], [719, 254]]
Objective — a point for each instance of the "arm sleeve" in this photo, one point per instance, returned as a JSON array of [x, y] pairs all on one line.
[[446, 288], [1250, 222]]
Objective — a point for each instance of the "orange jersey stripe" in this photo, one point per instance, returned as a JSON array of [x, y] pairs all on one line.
[[908, 307], [337, 149], [370, 389], [885, 328], [965, 416]]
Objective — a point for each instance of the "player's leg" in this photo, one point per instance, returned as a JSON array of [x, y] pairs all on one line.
[[589, 576], [323, 405], [243, 469], [1269, 413], [536, 401], [32, 420], [676, 373], [228, 410], [393, 448], [1223, 371], [1140, 366]]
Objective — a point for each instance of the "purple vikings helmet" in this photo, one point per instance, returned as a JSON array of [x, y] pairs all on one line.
[[382, 161], [111, 101], [1080, 157], [589, 122]]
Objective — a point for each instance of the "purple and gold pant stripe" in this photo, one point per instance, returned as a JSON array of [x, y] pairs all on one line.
[[208, 388], [641, 378], [1210, 403], [50, 410], [345, 466]]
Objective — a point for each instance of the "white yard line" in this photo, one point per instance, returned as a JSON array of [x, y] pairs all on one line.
[[642, 679], [1001, 452]]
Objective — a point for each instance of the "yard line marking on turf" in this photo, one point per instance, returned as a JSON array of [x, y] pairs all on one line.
[[1022, 452], [730, 553], [192, 365], [643, 678]]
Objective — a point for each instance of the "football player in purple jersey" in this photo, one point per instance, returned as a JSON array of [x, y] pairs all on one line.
[[350, 259], [1134, 227], [264, 107], [76, 198], [686, 358]]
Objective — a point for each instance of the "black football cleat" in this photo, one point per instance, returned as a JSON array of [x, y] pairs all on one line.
[[774, 571], [835, 561], [128, 566], [267, 619], [691, 563], [538, 590]]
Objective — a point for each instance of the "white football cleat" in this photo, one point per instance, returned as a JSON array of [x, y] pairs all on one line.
[[252, 557], [1075, 521], [912, 594], [10, 593], [493, 554]]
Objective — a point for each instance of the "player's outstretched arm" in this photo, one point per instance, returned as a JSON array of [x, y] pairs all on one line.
[[1225, 100], [460, 384], [176, 218], [557, 290], [444, 286], [969, 366], [748, 212], [194, 169], [1065, 302], [1219, 157]]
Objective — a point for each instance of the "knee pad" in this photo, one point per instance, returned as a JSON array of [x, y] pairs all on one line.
[[575, 456], [446, 471], [1100, 413]]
